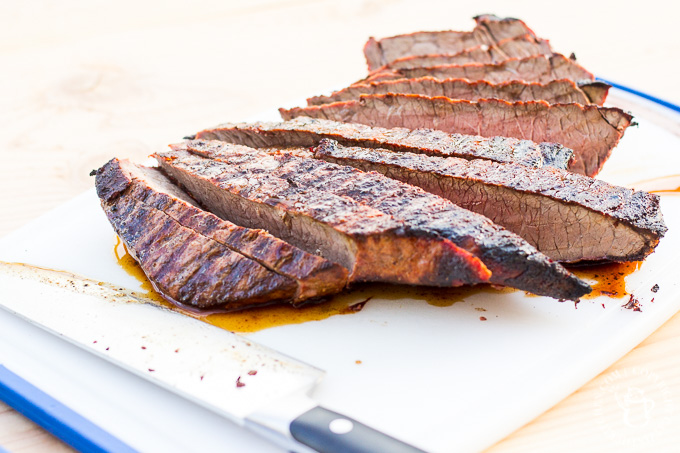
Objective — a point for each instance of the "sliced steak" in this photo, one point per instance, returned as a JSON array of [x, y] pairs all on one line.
[[371, 244], [511, 260], [554, 92], [314, 276], [489, 30], [308, 132], [183, 265], [515, 47], [589, 130], [539, 68], [568, 217]]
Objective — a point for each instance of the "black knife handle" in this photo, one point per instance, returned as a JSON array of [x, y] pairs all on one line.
[[329, 432]]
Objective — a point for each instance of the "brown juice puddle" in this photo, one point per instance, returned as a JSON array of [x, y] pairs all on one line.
[[610, 278], [437, 297], [245, 321], [664, 185], [348, 302]]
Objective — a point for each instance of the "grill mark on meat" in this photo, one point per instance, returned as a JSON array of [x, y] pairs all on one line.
[[515, 47], [590, 131], [512, 261], [568, 217], [487, 32], [308, 132], [538, 68], [314, 276], [371, 244], [182, 265], [553, 92]]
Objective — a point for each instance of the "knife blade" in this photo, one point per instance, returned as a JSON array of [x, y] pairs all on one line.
[[249, 384]]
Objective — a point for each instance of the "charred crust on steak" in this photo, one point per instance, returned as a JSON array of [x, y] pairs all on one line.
[[308, 132], [512, 261], [579, 218]]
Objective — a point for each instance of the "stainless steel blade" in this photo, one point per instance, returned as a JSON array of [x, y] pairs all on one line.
[[217, 369]]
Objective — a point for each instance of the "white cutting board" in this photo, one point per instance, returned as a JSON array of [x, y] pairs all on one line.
[[436, 377]]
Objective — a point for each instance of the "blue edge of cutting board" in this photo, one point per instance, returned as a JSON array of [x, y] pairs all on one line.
[[55, 417], [82, 434]]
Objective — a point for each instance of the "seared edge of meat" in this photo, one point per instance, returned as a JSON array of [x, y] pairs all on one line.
[[591, 131], [537, 68], [512, 261], [371, 244], [513, 47], [553, 92], [595, 90], [568, 217], [183, 265], [307, 132]]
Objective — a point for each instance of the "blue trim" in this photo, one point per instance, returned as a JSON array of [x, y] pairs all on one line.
[[643, 95], [53, 416], [2, 450]]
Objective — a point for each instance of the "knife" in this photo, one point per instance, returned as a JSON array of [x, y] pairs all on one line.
[[249, 384]]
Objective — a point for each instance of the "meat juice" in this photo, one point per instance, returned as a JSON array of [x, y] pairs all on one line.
[[348, 302], [664, 185], [244, 321], [610, 278]]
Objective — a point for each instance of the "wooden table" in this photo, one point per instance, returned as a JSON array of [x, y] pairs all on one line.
[[86, 81]]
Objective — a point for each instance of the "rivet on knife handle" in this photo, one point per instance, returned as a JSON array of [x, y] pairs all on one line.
[[329, 432]]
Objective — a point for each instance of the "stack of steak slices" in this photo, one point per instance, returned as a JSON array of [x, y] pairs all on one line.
[[196, 259], [463, 158], [507, 82], [521, 185], [323, 206]]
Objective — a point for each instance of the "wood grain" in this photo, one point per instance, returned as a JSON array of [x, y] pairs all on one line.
[[86, 81]]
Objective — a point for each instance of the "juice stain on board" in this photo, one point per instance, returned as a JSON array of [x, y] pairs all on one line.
[[608, 279], [244, 321], [665, 185], [348, 302]]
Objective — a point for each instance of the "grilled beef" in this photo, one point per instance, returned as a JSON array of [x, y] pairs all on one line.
[[182, 264], [516, 47], [512, 261], [313, 275], [568, 217], [539, 68], [307, 132], [489, 30], [589, 130], [554, 92], [371, 244]]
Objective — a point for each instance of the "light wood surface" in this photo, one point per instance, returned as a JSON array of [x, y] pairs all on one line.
[[85, 81]]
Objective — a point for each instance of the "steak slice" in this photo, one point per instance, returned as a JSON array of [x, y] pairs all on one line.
[[308, 132], [489, 30], [515, 47], [589, 130], [511, 260], [538, 68], [554, 92], [371, 244], [566, 216], [314, 276], [183, 265]]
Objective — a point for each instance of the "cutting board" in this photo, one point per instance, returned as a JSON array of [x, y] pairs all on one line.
[[434, 375]]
